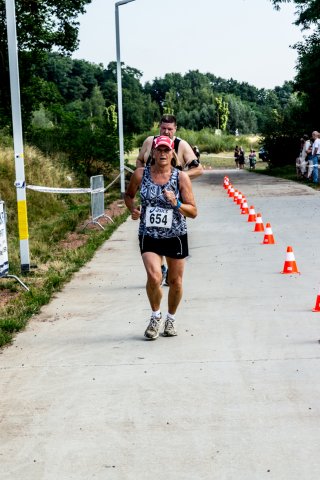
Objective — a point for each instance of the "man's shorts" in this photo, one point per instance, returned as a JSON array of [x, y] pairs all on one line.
[[173, 247]]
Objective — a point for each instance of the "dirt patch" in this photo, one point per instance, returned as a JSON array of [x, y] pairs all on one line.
[[78, 238], [6, 295]]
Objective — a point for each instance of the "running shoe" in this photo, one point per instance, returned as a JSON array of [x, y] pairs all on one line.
[[169, 329], [152, 331]]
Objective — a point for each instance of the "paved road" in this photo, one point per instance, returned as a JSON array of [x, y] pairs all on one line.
[[236, 396]]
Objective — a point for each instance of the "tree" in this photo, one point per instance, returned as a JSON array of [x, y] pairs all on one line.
[[42, 26], [308, 65], [308, 11], [223, 113], [301, 113]]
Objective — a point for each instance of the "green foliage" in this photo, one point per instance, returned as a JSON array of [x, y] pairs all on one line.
[[223, 113], [41, 27], [283, 132], [69, 106], [205, 139], [51, 219], [300, 114], [192, 98]]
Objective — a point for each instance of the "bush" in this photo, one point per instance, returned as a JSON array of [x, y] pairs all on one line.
[[205, 139], [282, 150]]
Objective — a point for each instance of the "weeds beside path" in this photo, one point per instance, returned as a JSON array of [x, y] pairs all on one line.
[[67, 256]]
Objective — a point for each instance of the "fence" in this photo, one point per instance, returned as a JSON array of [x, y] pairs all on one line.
[[97, 191], [97, 200]]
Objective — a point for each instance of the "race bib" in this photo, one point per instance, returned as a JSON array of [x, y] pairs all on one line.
[[159, 217]]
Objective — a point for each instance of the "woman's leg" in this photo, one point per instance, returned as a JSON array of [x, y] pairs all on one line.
[[176, 269], [152, 263]]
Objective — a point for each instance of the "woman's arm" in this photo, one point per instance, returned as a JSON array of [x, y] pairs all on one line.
[[188, 205], [129, 196]]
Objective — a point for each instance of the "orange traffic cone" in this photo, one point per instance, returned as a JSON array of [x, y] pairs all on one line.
[[317, 305], [252, 214], [290, 265], [259, 227], [243, 201], [244, 208], [226, 182], [231, 191], [239, 199], [235, 196], [268, 237]]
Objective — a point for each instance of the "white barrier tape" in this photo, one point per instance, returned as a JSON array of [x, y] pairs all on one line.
[[38, 188], [113, 181]]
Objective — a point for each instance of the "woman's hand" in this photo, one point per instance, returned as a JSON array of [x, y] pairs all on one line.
[[135, 213], [171, 197]]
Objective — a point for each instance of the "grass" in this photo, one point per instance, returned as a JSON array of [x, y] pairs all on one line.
[[287, 172], [48, 278], [207, 140], [221, 160], [51, 218]]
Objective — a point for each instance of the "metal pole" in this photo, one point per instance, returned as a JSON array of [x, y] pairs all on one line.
[[17, 136], [119, 83]]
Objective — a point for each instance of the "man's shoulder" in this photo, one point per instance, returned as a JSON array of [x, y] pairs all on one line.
[[182, 142], [148, 140], [185, 146]]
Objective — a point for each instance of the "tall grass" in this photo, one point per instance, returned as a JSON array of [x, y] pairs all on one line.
[[51, 218], [207, 140]]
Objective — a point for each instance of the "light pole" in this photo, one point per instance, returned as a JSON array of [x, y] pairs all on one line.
[[17, 135], [119, 83]]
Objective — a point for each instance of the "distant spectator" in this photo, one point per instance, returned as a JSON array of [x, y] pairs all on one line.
[[304, 155], [236, 156], [252, 159], [241, 158], [309, 160], [315, 155], [305, 146]]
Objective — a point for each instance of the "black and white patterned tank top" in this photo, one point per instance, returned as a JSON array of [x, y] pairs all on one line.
[[158, 218]]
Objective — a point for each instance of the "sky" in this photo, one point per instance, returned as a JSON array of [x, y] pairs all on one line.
[[247, 40]]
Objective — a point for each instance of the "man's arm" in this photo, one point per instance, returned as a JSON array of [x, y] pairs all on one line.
[[144, 152], [191, 166]]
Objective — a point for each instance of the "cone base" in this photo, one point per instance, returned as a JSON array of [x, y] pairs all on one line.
[[269, 242], [290, 273], [316, 308]]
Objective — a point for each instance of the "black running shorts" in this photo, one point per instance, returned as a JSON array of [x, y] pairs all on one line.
[[173, 247]]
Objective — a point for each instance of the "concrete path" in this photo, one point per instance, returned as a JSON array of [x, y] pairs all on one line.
[[236, 396]]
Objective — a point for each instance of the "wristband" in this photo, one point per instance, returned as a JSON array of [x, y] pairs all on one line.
[[176, 207]]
